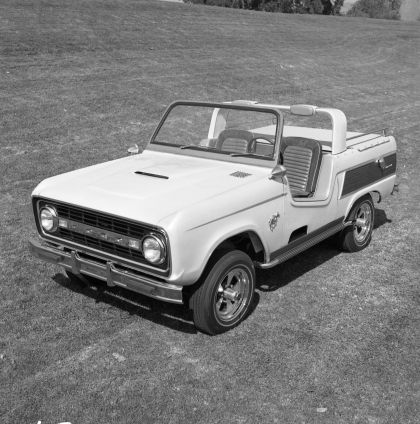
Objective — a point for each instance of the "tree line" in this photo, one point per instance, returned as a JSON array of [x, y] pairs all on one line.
[[388, 9], [325, 7]]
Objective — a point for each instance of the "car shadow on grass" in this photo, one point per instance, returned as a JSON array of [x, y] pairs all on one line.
[[179, 317], [176, 317], [279, 276], [283, 274], [381, 218]]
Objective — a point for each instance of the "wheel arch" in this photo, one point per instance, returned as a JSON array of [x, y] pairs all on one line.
[[357, 197], [356, 235], [376, 191], [209, 300], [248, 241]]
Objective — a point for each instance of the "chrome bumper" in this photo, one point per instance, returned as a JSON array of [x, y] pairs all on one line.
[[107, 272]]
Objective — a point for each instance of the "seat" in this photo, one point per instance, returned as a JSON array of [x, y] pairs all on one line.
[[302, 160], [235, 141]]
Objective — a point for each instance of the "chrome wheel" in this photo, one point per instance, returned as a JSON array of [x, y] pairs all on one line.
[[232, 294], [357, 236], [363, 223], [224, 297]]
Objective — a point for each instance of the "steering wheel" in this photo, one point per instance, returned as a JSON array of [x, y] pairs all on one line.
[[263, 137], [253, 143]]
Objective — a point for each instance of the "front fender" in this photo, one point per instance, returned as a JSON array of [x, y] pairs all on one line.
[[192, 251], [193, 244], [196, 231]]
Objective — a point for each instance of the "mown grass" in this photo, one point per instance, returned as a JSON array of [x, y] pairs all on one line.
[[83, 80]]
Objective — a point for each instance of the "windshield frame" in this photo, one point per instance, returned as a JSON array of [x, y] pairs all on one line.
[[222, 156]]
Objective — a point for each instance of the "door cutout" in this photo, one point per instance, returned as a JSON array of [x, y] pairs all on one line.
[[300, 232]]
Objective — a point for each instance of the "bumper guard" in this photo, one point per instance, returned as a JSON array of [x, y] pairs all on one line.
[[107, 272]]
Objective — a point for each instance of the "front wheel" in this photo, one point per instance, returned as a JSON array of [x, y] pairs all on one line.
[[225, 295], [358, 235]]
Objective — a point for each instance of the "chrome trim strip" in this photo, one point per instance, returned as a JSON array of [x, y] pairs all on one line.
[[363, 148], [107, 272], [373, 132], [104, 255], [239, 211], [101, 234]]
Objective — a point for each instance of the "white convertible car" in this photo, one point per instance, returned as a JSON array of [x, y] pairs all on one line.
[[220, 189]]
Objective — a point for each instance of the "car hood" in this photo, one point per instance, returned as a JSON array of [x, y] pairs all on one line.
[[149, 187]]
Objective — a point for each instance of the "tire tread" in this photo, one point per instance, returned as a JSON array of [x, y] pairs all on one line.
[[199, 301]]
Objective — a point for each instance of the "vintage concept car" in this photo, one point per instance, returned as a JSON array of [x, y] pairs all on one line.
[[220, 189]]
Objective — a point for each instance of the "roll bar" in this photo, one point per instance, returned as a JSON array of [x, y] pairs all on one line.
[[337, 117]]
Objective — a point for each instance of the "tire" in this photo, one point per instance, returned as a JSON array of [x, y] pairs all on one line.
[[224, 297], [358, 235]]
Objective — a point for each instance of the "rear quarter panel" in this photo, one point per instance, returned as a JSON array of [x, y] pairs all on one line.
[[359, 173]]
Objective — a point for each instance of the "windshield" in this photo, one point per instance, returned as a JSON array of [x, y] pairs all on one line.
[[221, 129]]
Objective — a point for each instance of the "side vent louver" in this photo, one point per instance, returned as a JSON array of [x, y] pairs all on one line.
[[240, 174]]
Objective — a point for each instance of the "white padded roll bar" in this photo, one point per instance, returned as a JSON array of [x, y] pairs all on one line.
[[339, 128]]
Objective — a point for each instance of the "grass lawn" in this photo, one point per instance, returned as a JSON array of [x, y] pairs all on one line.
[[333, 337]]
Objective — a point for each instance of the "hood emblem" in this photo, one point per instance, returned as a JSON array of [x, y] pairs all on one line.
[[272, 223]]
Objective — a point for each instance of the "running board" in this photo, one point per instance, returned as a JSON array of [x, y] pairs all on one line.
[[303, 243]]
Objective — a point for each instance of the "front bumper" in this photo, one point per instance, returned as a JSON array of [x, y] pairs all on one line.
[[107, 271]]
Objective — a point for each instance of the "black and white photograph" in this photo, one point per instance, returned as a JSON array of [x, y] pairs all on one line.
[[210, 211]]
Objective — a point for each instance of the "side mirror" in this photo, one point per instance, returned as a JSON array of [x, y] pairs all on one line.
[[133, 150], [279, 171]]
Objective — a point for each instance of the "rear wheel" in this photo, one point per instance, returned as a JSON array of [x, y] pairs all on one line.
[[358, 235], [224, 298]]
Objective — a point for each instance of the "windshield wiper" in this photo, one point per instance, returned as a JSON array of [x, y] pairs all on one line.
[[233, 155], [249, 155], [196, 147]]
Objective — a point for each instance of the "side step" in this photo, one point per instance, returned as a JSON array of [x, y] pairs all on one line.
[[303, 243]]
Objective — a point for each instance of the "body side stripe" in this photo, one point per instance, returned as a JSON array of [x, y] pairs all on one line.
[[367, 174]]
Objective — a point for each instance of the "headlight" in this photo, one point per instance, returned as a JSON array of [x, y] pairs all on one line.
[[49, 219], [153, 250]]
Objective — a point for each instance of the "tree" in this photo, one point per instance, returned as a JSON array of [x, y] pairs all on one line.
[[326, 7], [381, 9]]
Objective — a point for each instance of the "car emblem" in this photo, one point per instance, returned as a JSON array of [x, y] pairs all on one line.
[[273, 221]]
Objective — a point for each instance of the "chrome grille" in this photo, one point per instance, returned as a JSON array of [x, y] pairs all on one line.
[[104, 222], [100, 244]]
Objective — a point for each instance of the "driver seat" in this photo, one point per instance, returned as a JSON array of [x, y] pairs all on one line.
[[302, 160], [235, 141]]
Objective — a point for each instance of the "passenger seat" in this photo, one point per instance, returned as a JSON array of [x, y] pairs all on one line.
[[302, 160]]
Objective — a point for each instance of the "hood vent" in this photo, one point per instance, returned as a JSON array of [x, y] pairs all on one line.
[[240, 174], [149, 174]]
